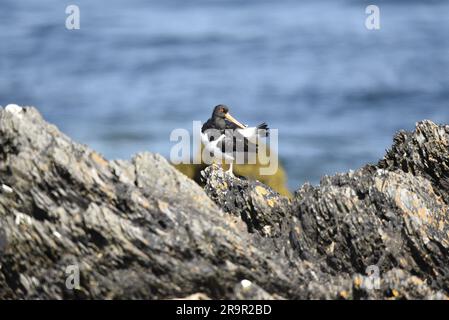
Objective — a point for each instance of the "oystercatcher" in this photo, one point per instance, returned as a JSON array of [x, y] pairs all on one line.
[[224, 137]]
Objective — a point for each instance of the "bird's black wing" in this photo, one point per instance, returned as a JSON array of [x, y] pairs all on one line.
[[207, 125]]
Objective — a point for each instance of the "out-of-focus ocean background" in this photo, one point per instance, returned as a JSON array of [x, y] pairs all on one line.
[[136, 70]]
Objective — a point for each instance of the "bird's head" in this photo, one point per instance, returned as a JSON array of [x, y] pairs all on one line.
[[222, 111]]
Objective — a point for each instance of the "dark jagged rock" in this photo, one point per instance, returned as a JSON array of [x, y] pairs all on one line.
[[137, 229], [424, 152], [140, 229], [262, 209], [374, 218], [387, 217]]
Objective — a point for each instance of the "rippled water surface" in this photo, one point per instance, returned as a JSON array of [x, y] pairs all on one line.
[[138, 69]]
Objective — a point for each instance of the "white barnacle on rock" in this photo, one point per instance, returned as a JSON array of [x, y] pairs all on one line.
[[57, 234], [14, 109], [18, 218], [245, 283], [21, 217], [7, 189]]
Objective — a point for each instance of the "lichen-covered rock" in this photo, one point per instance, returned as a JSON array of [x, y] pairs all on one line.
[[137, 229], [377, 217], [140, 229], [423, 152], [374, 217], [262, 209]]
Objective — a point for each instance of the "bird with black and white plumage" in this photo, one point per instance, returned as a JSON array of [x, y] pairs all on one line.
[[222, 134]]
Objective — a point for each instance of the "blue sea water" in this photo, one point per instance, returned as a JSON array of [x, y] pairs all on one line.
[[136, 70]]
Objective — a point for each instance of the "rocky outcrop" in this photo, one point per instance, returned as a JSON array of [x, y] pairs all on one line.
[[390, 219], [140, 229]]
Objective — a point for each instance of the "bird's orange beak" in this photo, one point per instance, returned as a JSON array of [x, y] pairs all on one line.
[[233, 120]]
